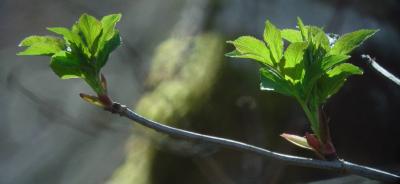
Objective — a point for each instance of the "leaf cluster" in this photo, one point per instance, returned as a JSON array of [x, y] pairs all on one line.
[[312, 68], [81, 52], [311, 65]]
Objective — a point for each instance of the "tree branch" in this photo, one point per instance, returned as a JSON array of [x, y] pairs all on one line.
[[340, 166], [379, 69]]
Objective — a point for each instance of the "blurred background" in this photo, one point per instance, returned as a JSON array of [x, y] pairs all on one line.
[[171, 68]]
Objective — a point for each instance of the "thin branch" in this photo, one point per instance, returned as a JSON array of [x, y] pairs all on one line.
[[340, 166], [378, 68]]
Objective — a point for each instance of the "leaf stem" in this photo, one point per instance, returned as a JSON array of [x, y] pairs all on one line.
[[312, 116]]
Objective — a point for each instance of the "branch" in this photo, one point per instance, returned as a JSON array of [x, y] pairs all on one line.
[[378, 68], [340, 166]]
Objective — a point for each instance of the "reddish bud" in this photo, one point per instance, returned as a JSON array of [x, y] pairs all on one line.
[[104, 99], [313, 141], [103, 83]]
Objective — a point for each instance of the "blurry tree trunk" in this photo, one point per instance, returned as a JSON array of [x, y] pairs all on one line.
[[183, 70]]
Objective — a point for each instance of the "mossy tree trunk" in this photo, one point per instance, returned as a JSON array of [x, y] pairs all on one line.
[[182, 73]]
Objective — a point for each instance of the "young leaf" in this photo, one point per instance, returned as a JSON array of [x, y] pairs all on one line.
[[302, 28], [332, 60], [73, 39], [291, 35], [41, 45], [297, 140], [68, 35], [91, 29], [272, 36], [108, 24], [251, 48], [346, 43], [320, 39], [334, 79], [106, 49], [294, 67], [66, 65], [344, 69], [272, 81], [92, 99]]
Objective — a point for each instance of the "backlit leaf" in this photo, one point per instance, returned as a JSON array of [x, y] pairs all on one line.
[[294, 67], [331, 60], [334, 79], [252, 48], [302, 28], [108, 47], [346, 43], [321, 39], [291, 35], [272, 81], [73, 38], [41, 45], [90, 28], [272, 36], [66, 65], [108, 24]]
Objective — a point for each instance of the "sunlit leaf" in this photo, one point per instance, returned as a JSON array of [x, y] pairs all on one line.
[[291, 35], [106, 49], [41, 45], [272, 81], [346, 43], [331, 60], [68, 35], [252, 48], [66, 65], [272, 36], [302, 28], [335, 78], [108, 24], [321, 39], [72, 37], [294, 67], [90, 28]]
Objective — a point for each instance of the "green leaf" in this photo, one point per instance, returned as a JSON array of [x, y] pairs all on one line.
[[109, 39], [108, 24], [90, 28], [291, 35], [68, 35], [272, 81], [348, 42], [272, 36], [344, 69], [251, 48], [297, 140], [334, 79], [66, 65], [302, 28], [320, 39], [330, 61], [41, 45], [73, 39], [294, 67], [108, 47]]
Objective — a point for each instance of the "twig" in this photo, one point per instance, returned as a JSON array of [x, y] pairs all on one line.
[[380, 69], [340, 166]]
